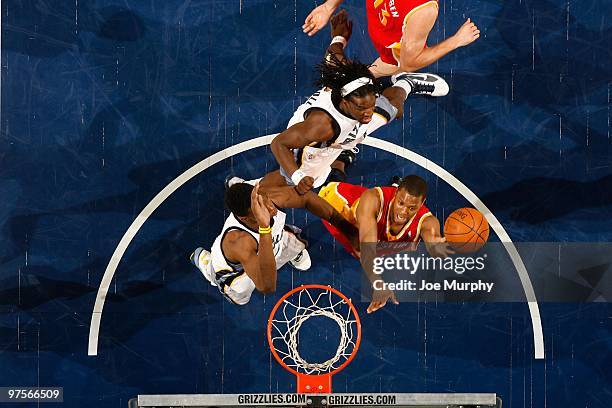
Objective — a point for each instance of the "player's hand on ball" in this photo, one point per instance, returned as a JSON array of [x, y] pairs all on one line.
[[467, 34], [259, 208], [380, 299], [305, 185], [439, 247], [341, 25], [442, 249], [317, 19]]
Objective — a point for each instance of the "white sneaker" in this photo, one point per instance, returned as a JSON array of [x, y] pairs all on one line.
[[423, 83], [202, 260], [302, 261]]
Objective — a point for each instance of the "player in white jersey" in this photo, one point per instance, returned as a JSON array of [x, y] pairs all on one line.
[[340, 115], [255, 241]]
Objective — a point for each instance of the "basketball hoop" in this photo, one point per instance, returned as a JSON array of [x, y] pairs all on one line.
[[284, 324]]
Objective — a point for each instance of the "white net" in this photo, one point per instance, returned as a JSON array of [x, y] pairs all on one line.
[[295, 311]]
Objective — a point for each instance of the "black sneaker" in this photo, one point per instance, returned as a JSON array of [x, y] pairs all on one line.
[[423, 84]]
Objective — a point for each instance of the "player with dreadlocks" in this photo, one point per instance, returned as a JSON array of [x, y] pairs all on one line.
[[340, 115]]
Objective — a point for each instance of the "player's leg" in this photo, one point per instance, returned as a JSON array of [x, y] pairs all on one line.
[[341, 238], [338, 167], [239, 290], [390, 104], [293, 250], [343, 225]]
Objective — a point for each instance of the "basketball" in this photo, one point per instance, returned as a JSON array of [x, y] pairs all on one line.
[[466, 230]]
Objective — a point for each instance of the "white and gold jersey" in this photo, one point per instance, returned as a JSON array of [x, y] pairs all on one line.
[[230, 277], [315, 160]]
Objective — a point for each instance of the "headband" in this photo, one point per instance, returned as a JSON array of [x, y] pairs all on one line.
[[354, 84]]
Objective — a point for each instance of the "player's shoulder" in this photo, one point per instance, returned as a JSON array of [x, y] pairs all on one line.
[[386, 193], [239, 245], [318, 115], [372, 197], [321, 123], [387, 189], [371, 193], [429, 222], [237, 236], [429, 219]]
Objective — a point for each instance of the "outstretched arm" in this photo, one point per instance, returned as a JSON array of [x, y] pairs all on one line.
[[259, 264], [322, 209], [258, 260], [316, 128], [414, 53], [367, 212], [287, 197], [341, 30], [319, 16], [434, 241]]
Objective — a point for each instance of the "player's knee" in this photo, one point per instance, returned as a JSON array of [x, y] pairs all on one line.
[[240, 290]]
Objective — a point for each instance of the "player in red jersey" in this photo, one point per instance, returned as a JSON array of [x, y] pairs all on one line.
[[399, 30], [385, 214]]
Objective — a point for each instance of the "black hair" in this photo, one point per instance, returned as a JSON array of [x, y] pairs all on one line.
[[335, 73], [415, 185], [238, 199]]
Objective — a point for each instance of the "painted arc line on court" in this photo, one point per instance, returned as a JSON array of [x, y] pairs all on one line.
[[96, 317]]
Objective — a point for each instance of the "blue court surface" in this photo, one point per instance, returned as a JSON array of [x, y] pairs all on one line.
[[106, 102]]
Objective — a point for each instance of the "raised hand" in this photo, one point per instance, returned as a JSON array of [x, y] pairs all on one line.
[[467, 34], [259, 208], [341, 25], [317, 19], [380, 299]]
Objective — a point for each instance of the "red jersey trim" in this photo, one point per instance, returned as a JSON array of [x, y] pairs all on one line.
[[418, 231], [429, 3], [381, 198]]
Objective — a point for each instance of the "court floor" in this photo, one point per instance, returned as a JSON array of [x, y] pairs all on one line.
[[105, 103]]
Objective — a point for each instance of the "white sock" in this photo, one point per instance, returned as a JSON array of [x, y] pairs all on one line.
[[405, 85]]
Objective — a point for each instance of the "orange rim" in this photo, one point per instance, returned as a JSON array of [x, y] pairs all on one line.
[[322, 287]]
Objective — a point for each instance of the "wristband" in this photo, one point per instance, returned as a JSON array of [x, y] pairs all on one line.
[[338, 39], [265, 230], [297, 176]]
